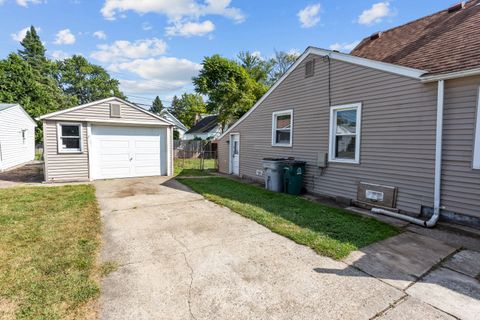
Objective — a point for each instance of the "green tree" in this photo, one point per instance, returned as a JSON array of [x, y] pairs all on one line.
[[157, 106], [21, 83], [258, 68], [85, 81], [187, 107], [230, 89], [33, 51], [282, 61]]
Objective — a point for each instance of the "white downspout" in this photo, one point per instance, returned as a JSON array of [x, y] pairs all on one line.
[[438, 169]]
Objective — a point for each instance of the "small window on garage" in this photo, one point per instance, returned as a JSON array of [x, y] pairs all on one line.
[[282, 125], [69, 137]]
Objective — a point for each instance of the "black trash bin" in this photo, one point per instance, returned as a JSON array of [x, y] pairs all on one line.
[[293, 172]]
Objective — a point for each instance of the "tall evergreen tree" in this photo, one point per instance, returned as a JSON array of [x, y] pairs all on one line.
[[157, 106], [34, 51]]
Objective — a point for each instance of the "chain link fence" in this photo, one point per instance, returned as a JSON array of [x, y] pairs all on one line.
[[193, 155]]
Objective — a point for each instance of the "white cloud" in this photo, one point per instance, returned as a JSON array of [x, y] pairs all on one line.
[[375, 14], [20, 34], [146, 26], [24, 3], [64, 36], [190, 29], [164, 68], [100, 35], [174, 10], [165, 74], [59, 55], [309, 16], [344, 47], [125, 50]]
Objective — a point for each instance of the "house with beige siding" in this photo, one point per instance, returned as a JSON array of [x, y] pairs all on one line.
[[394, 125], [106, 139]]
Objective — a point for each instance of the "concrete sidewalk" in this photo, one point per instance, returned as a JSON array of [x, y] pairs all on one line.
[[182, 257]]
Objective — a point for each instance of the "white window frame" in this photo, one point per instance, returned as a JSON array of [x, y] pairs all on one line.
[[476, 144], [274, 128], [59, 137], [333, 129]]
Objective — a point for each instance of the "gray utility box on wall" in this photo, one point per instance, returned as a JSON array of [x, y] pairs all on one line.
[[273, 173]]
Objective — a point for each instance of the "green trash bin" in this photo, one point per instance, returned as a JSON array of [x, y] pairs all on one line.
[[293, 172]]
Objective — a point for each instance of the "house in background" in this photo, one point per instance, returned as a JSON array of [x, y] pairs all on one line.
[[179, 126], [17, 136], [207, 128], [109, 138], [397, 120]]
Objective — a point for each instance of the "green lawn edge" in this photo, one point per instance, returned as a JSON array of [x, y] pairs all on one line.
[[329, 231]]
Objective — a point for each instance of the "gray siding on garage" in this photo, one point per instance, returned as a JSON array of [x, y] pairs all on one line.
[[63, 166], [102, 112], [460, 183], [397, 133], [75, 166]]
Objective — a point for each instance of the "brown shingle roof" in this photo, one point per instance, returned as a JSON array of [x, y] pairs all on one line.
[[439, 43]]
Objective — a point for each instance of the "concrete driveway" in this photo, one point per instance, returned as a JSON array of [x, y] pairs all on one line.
[[182, 257]]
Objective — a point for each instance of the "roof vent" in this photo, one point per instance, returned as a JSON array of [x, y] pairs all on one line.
[[375, 36], [115, 111], [310, 68], [456, 7]]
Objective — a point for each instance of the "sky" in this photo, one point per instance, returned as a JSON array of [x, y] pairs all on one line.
[[155, 47]]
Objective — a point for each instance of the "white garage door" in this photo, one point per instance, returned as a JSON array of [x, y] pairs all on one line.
[[121, 152]]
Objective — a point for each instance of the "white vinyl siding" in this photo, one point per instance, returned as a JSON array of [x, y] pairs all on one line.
[[17, 138], [282, 128], [344, 139], [476, 148]]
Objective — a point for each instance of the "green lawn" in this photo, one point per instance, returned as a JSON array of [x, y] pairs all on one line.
[[329, 231], [49, 239], [192, 167]]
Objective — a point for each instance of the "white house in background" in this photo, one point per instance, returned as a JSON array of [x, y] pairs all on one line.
[[109, 138], [208, 128], [179, 126], [17, 136]]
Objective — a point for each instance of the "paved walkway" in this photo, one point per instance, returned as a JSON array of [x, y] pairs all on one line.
[[182, 257]]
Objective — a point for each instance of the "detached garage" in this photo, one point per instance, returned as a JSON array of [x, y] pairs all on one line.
[[106, 139], [17, 136]]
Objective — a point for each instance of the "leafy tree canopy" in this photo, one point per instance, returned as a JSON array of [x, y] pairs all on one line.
[[33, 50], [187, 107], [20, 83], [230, 89], [85, 81]]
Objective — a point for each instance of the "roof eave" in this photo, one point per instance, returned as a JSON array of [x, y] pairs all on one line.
[[450, 75], [383, 66]]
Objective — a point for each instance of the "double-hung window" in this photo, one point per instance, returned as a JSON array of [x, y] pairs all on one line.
[[345, 133], [69, 137], [282, 125]]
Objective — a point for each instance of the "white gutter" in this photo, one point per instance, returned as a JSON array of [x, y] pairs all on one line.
[[438, 169], [451, 75]]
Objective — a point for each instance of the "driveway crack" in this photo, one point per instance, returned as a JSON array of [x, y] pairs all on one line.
[[189, 296]]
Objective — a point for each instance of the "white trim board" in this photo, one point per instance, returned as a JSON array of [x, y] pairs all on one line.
[[333, 134], [53, 114], [274, 128], [476, 146], [378, 65]]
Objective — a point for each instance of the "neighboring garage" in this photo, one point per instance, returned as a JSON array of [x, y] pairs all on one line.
[[106, 139]]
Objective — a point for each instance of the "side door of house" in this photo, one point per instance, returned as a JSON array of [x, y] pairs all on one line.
[[235, 154]]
